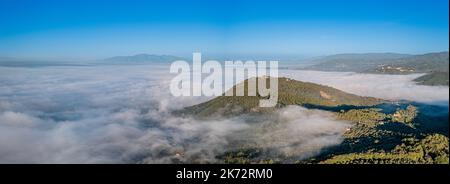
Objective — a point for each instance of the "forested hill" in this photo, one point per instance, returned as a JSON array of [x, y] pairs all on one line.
[[354, 62], [290, 92], [141, 58], [435, 65], [426, 63]]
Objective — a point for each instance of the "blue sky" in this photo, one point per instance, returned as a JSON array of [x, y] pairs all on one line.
[[82, 29]]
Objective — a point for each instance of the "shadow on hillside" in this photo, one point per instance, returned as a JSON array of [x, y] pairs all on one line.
[[430, 119]]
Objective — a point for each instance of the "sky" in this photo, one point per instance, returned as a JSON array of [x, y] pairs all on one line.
[[95, 29]]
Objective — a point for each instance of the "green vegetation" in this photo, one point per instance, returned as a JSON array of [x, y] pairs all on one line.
[[381, 133], [405, 115], [434, 79], [426, 63], [354, 62], [368, 117], [372, 129], [374, 138], [432, 149], [379, 138], [434, 64], [291, 92], [247, 156]]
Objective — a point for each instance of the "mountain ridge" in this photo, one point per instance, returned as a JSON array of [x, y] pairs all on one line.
[[434, 64], [143, 58], [352, 62]]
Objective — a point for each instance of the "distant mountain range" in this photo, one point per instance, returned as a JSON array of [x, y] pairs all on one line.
[[434, 64], [380, 131], [141, 58], [5, 58], [426, 63], [354, 62]]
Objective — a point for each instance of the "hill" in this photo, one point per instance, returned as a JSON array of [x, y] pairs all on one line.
[[291, 92], [434, 64], [354, 62], [426, 63], [434, 79]]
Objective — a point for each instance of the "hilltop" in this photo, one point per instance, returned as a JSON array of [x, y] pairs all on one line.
[[291, 92]]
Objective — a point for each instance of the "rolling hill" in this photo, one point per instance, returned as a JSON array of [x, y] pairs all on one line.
[[141, 58], [380, 132], [291, 92], [426, 63], [435, 65]]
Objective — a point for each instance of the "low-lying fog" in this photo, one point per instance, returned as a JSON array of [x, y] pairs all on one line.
[[121, 114], [391, 87]]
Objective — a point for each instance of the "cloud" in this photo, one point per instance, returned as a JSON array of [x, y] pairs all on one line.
[[121, 114]]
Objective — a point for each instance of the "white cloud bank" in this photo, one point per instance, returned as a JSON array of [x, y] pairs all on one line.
[[121, 114]]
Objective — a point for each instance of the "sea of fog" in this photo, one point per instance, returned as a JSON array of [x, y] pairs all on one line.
[[121, 114]]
